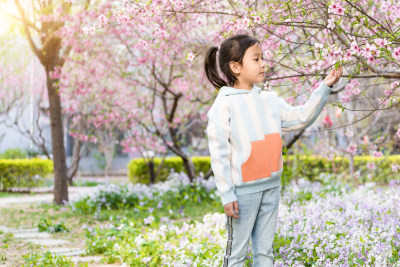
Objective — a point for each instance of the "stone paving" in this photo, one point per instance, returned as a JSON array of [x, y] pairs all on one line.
[[45, 239]]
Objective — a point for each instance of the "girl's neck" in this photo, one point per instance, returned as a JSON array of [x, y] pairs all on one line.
[[243, 86]]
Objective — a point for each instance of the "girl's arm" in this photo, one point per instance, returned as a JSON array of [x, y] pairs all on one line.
[[301, 117], [218, 132]]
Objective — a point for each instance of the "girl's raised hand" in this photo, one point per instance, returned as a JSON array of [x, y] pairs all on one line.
[[334, 76]]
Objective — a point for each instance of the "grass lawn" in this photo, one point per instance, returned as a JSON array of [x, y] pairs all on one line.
[[7, 194], [29, 216]]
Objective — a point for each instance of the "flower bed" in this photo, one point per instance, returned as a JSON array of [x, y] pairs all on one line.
[[319, 224]]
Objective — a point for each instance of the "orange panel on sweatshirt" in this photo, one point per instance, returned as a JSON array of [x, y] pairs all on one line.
[[265, 157]]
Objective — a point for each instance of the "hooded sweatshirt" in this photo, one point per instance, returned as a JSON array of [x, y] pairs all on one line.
[[244, 137]]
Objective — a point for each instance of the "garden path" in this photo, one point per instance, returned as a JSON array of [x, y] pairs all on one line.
[[47, 241]]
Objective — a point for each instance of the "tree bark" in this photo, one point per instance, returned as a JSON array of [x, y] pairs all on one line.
[[57, 142], [50, 56], [294, 139], [189, 167], [150, 165], [76, 157]]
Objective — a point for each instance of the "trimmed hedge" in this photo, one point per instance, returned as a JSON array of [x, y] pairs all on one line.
[[138, 171], [307, 166], [17, 173], [311, 166]]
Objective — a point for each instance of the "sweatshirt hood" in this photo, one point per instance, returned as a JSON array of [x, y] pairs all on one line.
[[227, 90]]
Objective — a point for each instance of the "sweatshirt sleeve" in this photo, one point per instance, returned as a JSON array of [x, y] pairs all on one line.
[[301, 117], [218, 133]]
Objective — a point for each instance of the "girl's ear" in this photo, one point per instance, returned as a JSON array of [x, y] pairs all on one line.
[[235, 67]]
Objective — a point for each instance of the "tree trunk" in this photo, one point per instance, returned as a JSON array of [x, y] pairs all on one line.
[[50, 57], [57, 142], [76, 157], [107, 146], [109, 155], [189, 167], [150, 165]]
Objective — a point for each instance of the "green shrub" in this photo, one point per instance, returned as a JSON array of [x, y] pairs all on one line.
[[138, 171], [307, 166], [46, 225], [48, 259], [13, 153], [310, 166], [24, 172], [176, 192]]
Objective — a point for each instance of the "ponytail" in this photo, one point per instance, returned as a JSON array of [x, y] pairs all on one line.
[[210, 66], [232, 49]]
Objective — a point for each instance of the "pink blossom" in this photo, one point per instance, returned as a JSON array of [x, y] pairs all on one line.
[[355, 49], [290, 100], [349, 133], [377, 154], [257, 19], [124, 19], [340, 11], [336, 8], [367, 50], [89, 30], [356, 91], [371, 165], [396, 53], [331, 24], [371, 60], [267, 86], [347, 56], [190, 56], [352, 149], [388, 92], [319, 45], [395, 167], [381, 42], [345, 99], [398, 133], [103, 19], [394, 84]]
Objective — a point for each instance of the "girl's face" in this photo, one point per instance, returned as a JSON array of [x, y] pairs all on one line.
[[252, 68]]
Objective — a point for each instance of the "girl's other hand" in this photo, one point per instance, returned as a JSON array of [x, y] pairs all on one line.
[[232, 209], [334, 76]]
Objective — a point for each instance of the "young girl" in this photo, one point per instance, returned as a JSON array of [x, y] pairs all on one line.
[[244, 137]]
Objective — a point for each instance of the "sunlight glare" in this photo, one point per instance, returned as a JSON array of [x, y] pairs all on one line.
[[7, 23]]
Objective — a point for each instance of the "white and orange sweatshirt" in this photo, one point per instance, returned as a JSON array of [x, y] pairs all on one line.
[[244, 136]]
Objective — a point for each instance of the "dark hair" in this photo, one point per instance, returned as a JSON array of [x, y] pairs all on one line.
[[232, 49]]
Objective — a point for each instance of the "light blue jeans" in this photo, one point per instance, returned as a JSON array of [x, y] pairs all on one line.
[[258, 213]]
